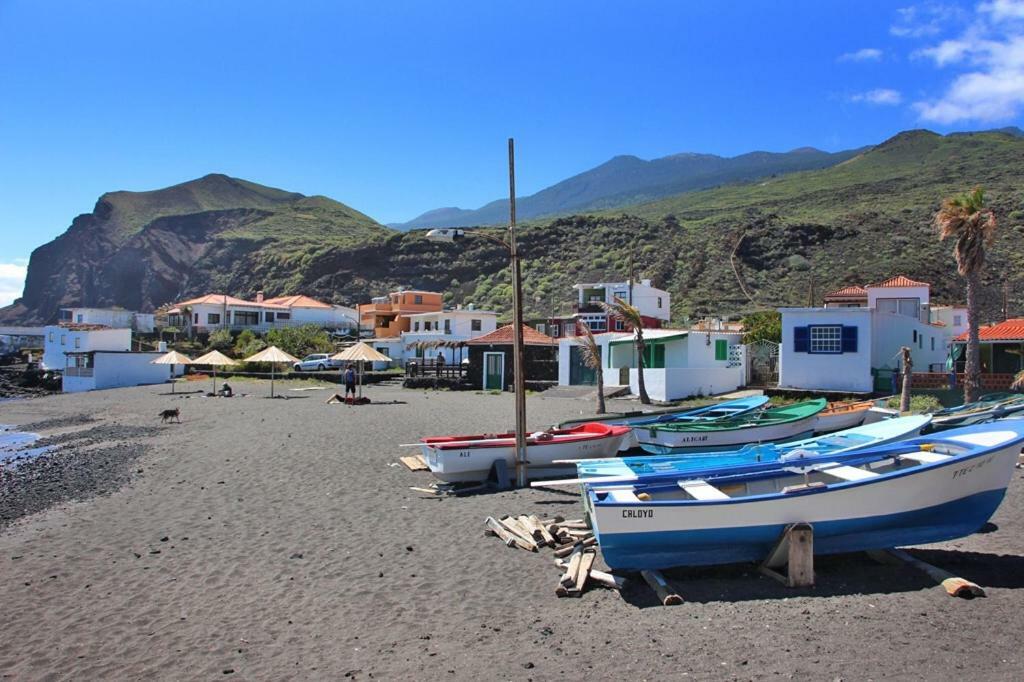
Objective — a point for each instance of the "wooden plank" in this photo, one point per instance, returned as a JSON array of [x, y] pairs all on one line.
[[526, 540], [567, 550], [499, 530], [848, 473], [414, 463], [702, 490], [592, 480], [544, 532], [666, 594], [924, 457], [615, 582], [795, 550], [955, 586], [586, 563]]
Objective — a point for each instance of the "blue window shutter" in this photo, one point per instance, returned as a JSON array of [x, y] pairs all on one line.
[[800, 337], [849, 339]]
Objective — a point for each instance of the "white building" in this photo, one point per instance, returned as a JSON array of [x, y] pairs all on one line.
[[654, 304], [841, 346], [98, 369], [211, 312], [58, 340], [109, 317], [460, 324], [678, 363]]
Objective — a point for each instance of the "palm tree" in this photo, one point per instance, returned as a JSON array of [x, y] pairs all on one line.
[[591, 352], [967, 220], [621, 310], [1018, 381]]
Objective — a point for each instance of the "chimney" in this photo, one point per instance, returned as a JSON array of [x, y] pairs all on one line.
[[259, 297]]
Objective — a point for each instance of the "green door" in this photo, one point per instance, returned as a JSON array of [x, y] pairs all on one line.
[[494, 371], [579, 373]]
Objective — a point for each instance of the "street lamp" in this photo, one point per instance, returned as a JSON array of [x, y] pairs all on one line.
[[519, 379]]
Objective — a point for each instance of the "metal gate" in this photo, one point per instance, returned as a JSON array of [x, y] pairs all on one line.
[[763, 359]]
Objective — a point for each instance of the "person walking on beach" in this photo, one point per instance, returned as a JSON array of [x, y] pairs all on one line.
[[350, 382], [439, 365]]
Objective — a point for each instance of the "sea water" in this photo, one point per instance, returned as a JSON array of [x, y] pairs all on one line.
[[14, 446]]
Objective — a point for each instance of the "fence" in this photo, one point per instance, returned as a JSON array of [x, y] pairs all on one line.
[[429, 368], [941, 380]]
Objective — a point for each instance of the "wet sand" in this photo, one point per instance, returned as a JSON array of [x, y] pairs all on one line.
[[275, 540]]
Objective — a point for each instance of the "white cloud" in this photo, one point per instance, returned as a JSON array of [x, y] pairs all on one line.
[[990, 50], [925, 19], [867, 54], [881, 96], [12, 281]]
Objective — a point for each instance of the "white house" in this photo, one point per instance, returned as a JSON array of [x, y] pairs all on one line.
[[841, 347], [460, 324], [109, 317], [653, 304], [97, 369], [678, 363], [58, 340], [219, 311]]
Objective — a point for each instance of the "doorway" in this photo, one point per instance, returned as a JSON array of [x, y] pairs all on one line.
[[494, 371]]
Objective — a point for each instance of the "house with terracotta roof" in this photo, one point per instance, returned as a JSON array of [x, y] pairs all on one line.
[[1001, 348], [853, 342], [211, 312], [492, 360], [388, 315]]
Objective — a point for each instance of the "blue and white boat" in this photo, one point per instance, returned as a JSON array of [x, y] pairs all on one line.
[[707, 413], [926, 489], [989, 407], [628, 469]]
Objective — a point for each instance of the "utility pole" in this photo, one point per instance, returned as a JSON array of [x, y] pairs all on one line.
[[519, 379]]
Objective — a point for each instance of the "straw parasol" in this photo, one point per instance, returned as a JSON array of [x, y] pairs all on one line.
[[214, 359], [275, 356], [361, 352], [172, 358]]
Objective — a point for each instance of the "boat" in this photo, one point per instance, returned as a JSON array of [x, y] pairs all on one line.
[[989, 407], [926, 489], [842, 415], [715, 411], [627, 469], [470, 458], [775, 424]]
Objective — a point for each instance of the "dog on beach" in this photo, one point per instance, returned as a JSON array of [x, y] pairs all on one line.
[[168, 415]]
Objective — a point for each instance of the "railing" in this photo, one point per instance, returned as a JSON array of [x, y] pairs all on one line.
[[78, 371], [430, 368]]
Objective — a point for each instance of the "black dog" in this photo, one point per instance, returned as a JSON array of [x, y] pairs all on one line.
[[168, 415]]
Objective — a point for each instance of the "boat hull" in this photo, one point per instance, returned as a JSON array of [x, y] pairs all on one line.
[[663, 442], [839, 421], [924, 505]]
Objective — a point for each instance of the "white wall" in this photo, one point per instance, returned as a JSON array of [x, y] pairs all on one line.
[[675, 383], [949, 316], [875, 293], [335, 317], [114, 370], [701, 353], [891, 332], [59, 340], [839, 372]]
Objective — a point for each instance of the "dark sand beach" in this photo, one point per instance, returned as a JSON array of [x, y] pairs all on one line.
[[278, 539]]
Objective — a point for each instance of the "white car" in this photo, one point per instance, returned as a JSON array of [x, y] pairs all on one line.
[[316, 362]]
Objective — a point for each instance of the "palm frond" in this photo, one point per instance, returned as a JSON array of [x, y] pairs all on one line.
[[621, 310], [1018, 381], [590, 350], [971, 224]]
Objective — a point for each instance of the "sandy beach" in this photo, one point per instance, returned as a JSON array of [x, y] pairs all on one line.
[[278, 539]]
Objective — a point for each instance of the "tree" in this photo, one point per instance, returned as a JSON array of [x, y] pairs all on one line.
[[764, 325], [620, 310], [248, 344], [299, 341], [220, 340], [908, 365], [591, 352], [1018, 382], [972, 225]]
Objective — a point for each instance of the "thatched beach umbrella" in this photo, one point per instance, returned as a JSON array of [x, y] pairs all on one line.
[[275, 356], [361, 353], [214, 359], [172, 358]]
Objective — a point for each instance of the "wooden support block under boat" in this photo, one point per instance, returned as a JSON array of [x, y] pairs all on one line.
[[414, 463], [523, 538], [795, 550], [609, 580], [544, 532], [499, 530], [567, 550], [586, 563], [955, 586], [666, 595]]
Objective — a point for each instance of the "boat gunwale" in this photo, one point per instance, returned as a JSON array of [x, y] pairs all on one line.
[[724, 425]]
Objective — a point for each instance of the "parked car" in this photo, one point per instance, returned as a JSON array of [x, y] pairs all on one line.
[[317, 362]]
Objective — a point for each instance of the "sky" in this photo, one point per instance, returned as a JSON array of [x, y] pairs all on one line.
[[396, 108]]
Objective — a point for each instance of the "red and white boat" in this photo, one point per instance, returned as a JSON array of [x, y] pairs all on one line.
[[470, 458], [839, 416]]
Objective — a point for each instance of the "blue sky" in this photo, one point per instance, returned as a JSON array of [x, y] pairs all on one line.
[[399, 107]]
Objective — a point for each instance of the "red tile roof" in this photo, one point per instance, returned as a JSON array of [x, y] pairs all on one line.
[[223, 299], [503, 337], [850, 291], [1009, 330], [299, 300], [901, 281]]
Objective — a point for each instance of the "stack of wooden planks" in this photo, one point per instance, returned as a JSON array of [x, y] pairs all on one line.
[[573, 542]]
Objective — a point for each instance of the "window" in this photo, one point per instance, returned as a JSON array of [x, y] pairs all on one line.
[[542, 328], [654, 356], [63, 339], [80, 317], [417, 299], [721, 350], [620, 325], [475, 325], [596, 324], [659, 302], [78, 342], [623, 294], [826, 339], [212, 318], [933, 343], [956, 320], [911, 307], [284, 316], [247, 317], [416, 326], [447, 326], [914, 337], [556, 330], [51, 337], [268, 316]]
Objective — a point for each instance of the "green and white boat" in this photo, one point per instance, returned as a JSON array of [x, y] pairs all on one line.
[[776, 424]]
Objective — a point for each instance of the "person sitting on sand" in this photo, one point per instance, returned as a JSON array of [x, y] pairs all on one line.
[[225, 390]]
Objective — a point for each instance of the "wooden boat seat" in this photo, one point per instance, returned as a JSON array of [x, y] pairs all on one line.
[[701, 490], [848, 473], [924, 457], [623, 496]]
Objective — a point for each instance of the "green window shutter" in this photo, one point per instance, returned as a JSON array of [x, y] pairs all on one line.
[[721, 349]]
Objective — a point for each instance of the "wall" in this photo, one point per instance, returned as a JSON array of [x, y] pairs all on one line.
[[541, 363], [675, 383], [892, 331], [840, 372], [335, 317], [700, 353], [96, 339], [114, 370], [875, 293]]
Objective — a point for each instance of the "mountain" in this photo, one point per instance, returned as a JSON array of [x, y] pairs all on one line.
[[142, 249], [724, 251], [626, 180]]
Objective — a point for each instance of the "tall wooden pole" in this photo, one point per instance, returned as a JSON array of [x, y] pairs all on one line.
[[519, 379]]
